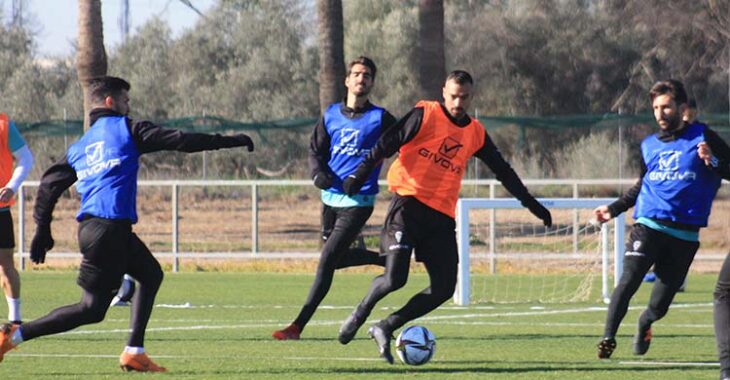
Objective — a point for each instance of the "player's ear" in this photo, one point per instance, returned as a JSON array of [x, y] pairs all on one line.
[[109, 102], [683, 109]]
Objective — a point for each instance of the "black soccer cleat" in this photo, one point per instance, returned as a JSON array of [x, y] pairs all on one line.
[[382, 339], [349, 328], [606, 347], [642, 340]]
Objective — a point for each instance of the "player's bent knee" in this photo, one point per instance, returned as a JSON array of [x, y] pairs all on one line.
[[6, 258], [444, 294], [721, 293], [394, 283], [153, 278], [93, 314], [656, 313], [158, 276]]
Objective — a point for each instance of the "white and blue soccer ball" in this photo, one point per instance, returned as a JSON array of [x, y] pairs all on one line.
[[415, 345]]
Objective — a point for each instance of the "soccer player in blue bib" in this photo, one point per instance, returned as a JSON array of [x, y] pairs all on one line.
[[672, 200], [104, 164], [340, 141]]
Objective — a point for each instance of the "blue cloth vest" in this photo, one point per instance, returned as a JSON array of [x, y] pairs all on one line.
[[677, 185], [350, 142], [106, 161]]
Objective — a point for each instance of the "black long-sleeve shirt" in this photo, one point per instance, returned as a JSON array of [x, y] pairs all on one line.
[[720, 149], [407, 128], [147, 136], [320, 141]]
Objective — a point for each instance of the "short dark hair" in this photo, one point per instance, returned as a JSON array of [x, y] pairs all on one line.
[[671, 87], [461, 77], [101, 87], [692, 103], [365, 61]]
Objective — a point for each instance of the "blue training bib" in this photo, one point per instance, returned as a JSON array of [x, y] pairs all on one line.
[[677, 185]]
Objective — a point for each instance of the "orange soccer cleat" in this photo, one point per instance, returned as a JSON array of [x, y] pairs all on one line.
[[6, 333], [138, 362], [642, 340], [291, 332]]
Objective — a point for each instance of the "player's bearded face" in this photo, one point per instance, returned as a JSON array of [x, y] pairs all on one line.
[[360, 80], [120, 103], [457, 98], [667, 112]]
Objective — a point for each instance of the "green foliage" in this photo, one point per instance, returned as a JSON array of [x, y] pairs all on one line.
[[15, 50], [257, 60], [247, 61], [388, 35], [145, 60]]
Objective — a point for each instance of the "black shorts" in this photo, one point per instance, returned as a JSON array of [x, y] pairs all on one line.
[[353, 217], [411, 224], [110, 249], [671, 256], [7, 233]]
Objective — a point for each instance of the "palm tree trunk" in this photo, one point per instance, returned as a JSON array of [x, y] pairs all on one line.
[[331, 52], [91, 56], [431, 57]]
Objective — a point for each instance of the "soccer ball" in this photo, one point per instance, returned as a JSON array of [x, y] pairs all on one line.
[[415, 345]]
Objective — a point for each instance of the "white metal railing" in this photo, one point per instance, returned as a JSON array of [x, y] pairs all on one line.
[[254, 185]]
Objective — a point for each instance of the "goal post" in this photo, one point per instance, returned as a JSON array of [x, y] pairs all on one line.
[[462, 295]]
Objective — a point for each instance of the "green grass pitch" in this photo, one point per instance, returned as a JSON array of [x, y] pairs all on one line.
[[218, 326]]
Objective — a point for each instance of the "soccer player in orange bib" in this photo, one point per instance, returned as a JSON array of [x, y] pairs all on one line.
[[435, 141], [12, 146]]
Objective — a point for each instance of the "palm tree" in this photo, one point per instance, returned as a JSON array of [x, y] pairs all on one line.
[[431, 58], [331, 52], [91, 56]]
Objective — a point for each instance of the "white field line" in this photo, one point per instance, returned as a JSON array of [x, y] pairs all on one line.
[[106, 356], [188, 305], [441, 319], [550, 312]]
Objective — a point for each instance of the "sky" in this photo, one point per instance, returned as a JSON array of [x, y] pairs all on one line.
[[54, 21]]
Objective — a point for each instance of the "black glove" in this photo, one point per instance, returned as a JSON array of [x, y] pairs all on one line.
[[352, 184], [539, 211], [245, 141], [42, 243], [323, 180]]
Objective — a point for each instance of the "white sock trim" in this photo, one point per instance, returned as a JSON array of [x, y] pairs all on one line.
[[13, 309], [134, 350]]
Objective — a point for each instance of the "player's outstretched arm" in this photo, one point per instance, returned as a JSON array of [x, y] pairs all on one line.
[[57, 179], [152, 138], [490, 155]]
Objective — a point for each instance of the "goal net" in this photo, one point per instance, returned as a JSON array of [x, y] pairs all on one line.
[[507, 255]]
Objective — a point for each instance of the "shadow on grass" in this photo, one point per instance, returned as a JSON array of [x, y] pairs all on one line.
[[401, 370], [595, 336]]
